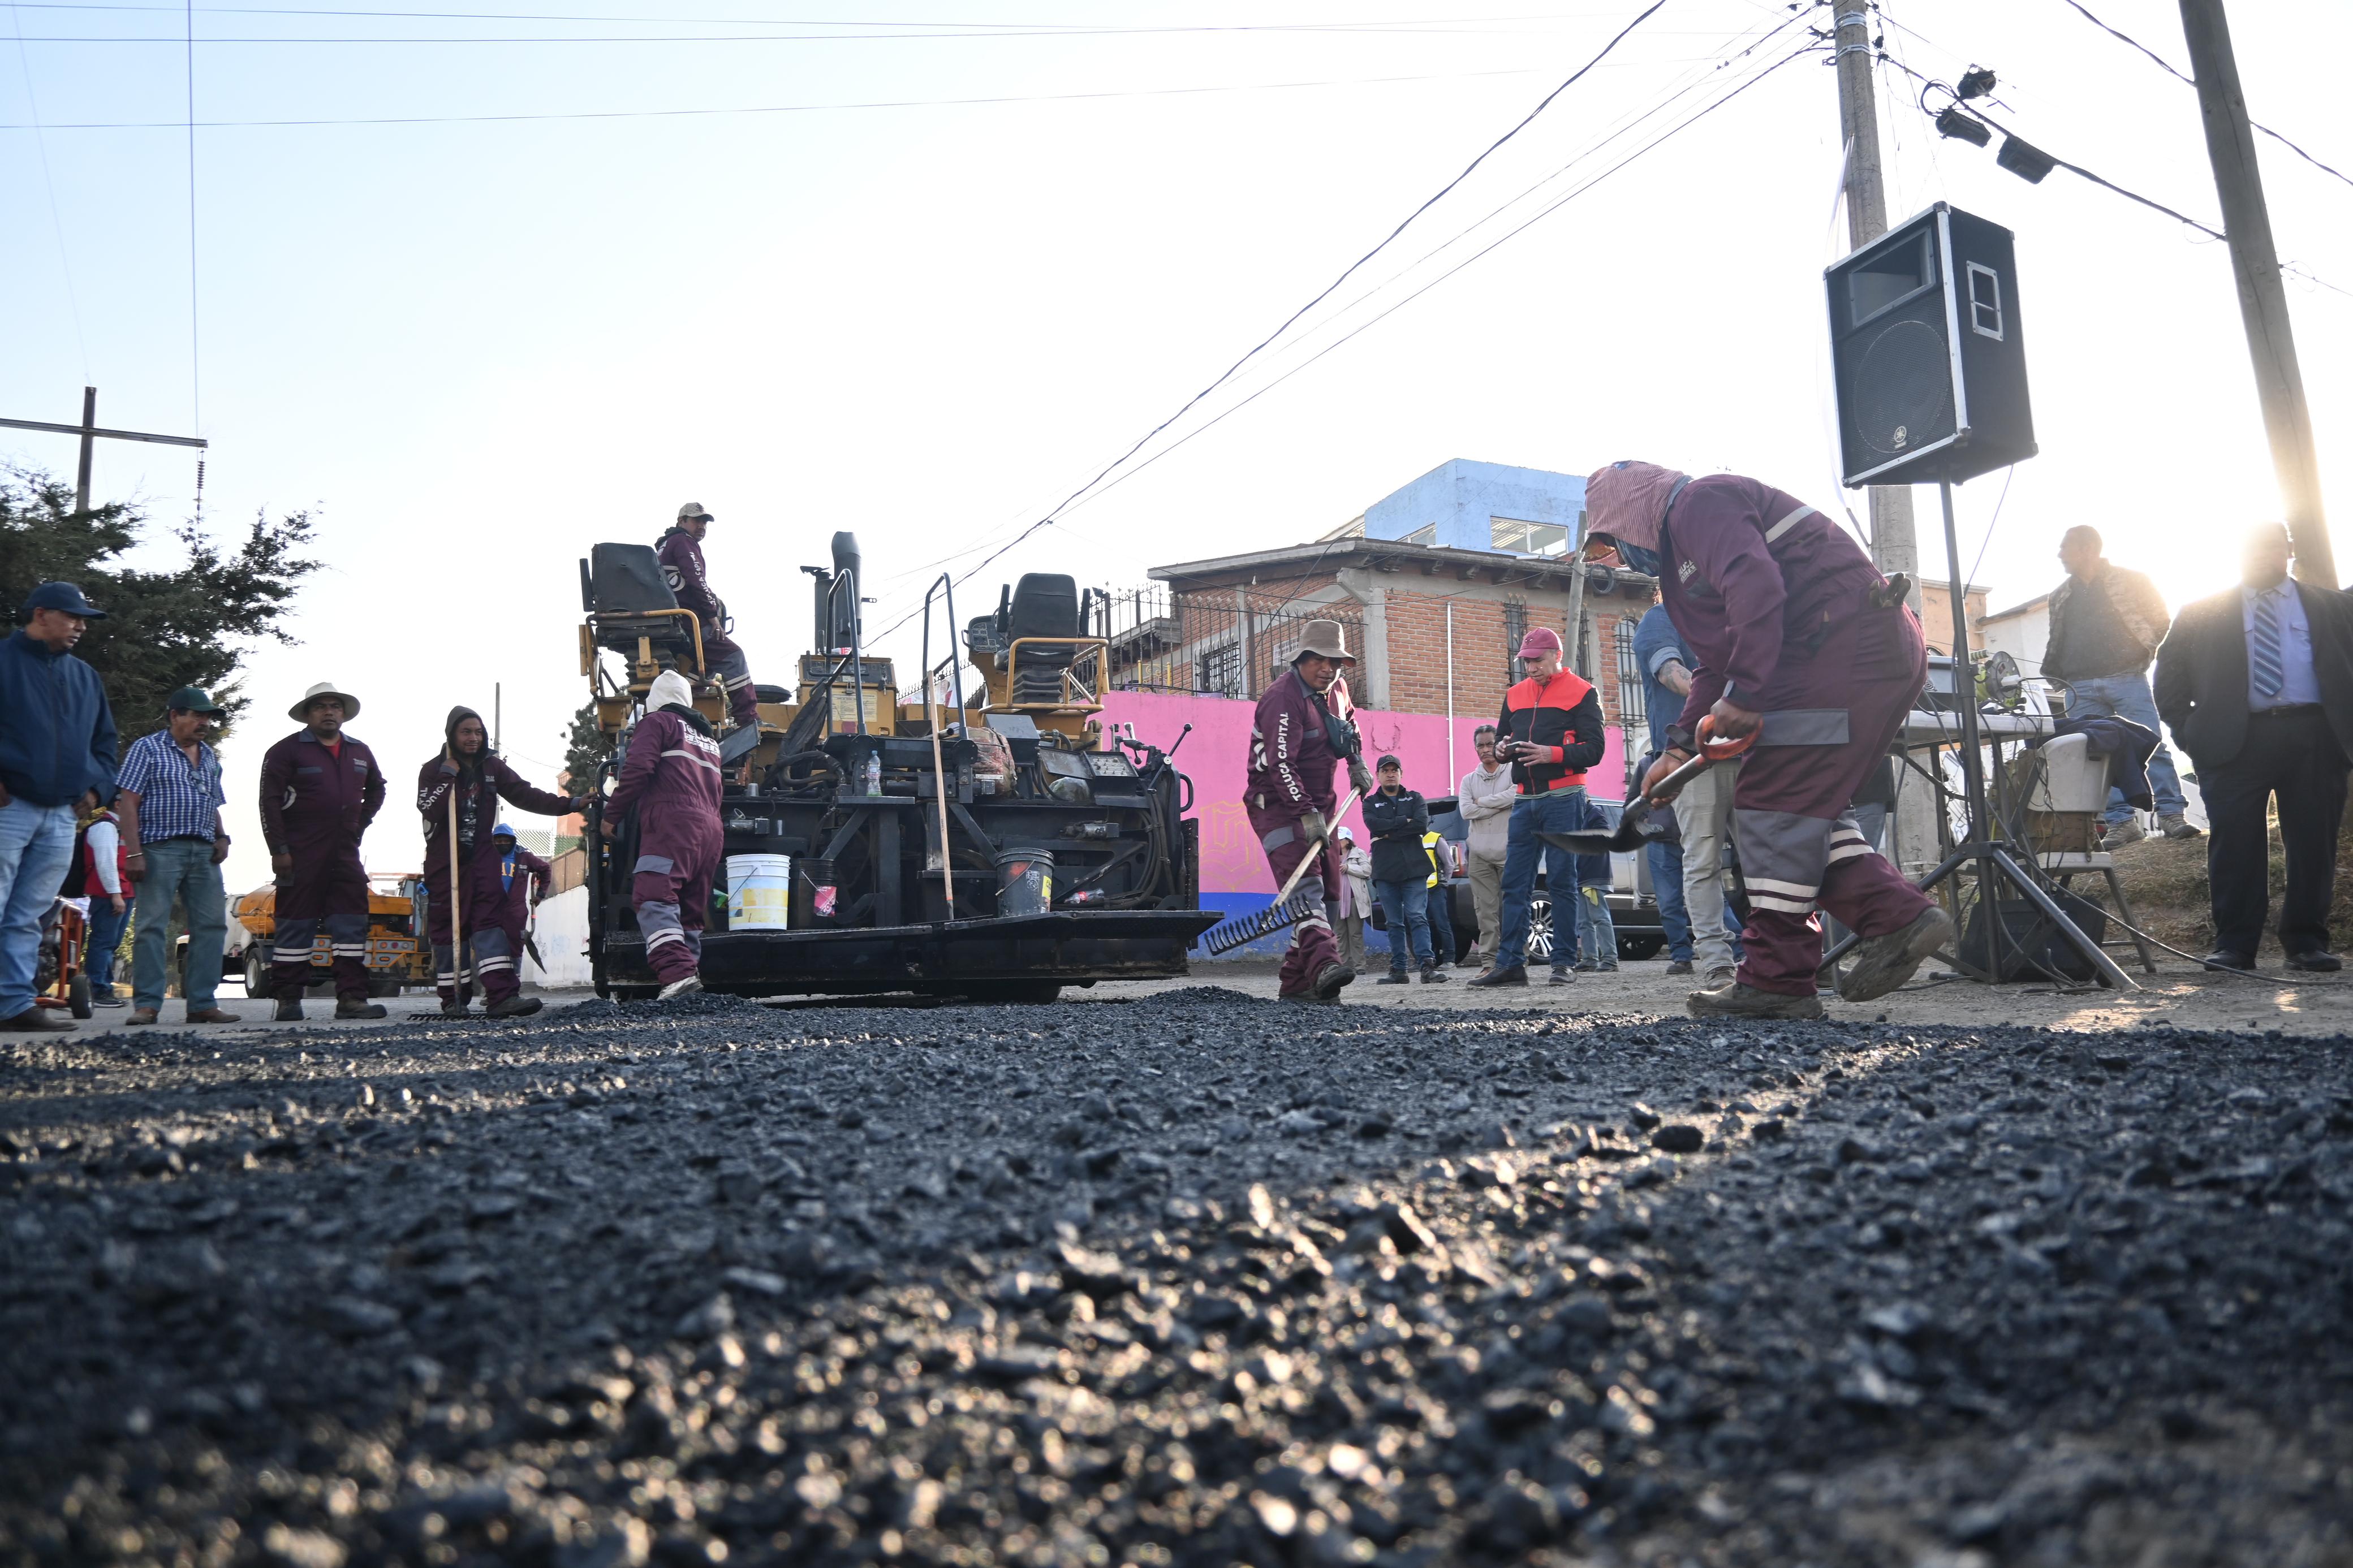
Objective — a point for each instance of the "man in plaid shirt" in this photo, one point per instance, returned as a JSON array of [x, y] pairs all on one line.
[[169, 807]]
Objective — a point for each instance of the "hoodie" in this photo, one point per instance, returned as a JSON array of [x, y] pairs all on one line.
[[481, 781]]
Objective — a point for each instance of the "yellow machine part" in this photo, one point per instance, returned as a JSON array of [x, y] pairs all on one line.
[[389, 948]]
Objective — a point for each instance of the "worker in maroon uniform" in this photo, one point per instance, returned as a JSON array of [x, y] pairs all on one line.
[[680, 553], [523, 879], [1780, 609], [480, 779], [670, 779], [1296, 740], [320, 790]]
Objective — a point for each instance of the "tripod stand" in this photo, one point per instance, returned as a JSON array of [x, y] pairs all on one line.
[[1988, 859]]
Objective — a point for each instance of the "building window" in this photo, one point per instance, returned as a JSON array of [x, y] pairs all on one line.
[[1634, 697], [1425, 534], [1221, 670], [1515, 626], [1520, 538]]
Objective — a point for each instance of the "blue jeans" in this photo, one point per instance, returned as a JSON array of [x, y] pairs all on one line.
[[105, 936], [178, 869], [1405, 907], [1597, 934], [1667, 887], [36, 845], [1563, 811], [2127, 697], [1441, 923]]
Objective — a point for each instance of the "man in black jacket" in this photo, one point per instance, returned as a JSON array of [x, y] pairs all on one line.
[[1396, 818], [2257, 685]]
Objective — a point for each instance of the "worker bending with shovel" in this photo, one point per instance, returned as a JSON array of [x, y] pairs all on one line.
[[670, 779], [1296, 741], [1800, 642], [458, 793], [321, 788]]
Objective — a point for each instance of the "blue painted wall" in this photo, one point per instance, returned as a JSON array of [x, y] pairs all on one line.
[[1462, 495]]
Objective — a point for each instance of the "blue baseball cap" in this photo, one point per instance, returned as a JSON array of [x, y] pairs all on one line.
[[60, 596]]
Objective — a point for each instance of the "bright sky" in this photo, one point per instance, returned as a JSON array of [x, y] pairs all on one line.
[[473, 348]]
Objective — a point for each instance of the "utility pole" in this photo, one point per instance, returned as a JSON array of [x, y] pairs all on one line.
[[1895, 546], [2262, 302], [91, 435]]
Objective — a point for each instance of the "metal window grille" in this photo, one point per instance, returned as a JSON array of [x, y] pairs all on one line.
[[1634, 697], [1219, 642], [1515, 626]]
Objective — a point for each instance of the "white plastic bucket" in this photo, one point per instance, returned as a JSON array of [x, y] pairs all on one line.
[[759, 891]]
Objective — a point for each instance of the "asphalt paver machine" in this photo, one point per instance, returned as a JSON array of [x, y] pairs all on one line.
[[994, 840]]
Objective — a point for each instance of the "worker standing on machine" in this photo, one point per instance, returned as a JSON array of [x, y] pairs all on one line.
[[1799, 642], [680, 554], [480, 779], [320, 790], [671, 778], [1295, 742], [523, 878]]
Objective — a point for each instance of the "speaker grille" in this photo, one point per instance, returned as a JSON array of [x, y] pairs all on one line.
[[1902, 392]]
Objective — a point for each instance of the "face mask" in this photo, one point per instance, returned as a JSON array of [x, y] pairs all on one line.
[[1646, 561]]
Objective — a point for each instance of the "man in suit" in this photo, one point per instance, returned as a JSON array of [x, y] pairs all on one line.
[[2257, 685]]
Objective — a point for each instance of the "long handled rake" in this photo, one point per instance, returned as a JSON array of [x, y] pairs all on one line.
[[1286, 910]]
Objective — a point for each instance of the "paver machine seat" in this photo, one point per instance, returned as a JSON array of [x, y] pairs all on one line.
[[1042, 605], [634, 611]]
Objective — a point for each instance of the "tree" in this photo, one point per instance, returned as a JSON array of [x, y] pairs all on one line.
[[163, 629], [584, 749]]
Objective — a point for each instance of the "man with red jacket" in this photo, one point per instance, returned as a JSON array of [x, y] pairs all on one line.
[[680, 554], [1295, 742], [479, 778], [320, 790], [1779, 608], [671, 778], [1550, 731]]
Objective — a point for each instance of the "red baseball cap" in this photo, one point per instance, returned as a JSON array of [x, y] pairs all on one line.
[[1540, 640]]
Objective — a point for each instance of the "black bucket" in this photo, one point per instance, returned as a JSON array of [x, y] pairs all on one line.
[[1025, 881]]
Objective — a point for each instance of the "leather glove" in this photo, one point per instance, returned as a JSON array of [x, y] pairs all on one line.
[[1313, 826], [1360, 777]]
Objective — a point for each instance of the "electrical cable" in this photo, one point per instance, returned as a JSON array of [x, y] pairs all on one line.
[[2166, 65], [2006, 474], [48, 186], [195, 359], [1329, 30]]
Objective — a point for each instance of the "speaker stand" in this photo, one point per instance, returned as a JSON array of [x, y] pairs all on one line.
[[1990, 862]]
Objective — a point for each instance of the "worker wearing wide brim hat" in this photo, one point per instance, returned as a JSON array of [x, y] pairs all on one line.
[[1298, 738], [1791, 643], [321, 788]]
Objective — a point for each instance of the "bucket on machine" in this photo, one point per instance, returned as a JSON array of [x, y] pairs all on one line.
[[759, 891], [1025, 881]]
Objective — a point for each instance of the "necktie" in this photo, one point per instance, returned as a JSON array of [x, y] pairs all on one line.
[[2263, 649]]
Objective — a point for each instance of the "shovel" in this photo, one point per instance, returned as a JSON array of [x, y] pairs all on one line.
[[1635, 825]]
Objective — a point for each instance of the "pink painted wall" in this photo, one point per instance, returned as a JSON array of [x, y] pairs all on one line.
[[1217, 757]]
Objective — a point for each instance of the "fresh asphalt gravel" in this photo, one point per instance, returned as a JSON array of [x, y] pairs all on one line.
[[1193, 1279]]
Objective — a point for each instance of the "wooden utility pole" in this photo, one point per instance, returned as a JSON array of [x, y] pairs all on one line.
[[91, 435], [2262, 301], [1895, 546]]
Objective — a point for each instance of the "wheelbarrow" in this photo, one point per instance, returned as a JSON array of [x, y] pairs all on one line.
[[1639, 824]]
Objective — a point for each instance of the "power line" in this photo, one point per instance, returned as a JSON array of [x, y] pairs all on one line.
[[48, 186], [2166, 65], [196, 360], [978, 29], [1350, 270]]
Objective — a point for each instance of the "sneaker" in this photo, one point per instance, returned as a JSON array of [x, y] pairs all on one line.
[[1329, 981], [289, 1011], [2119, 834], [686, 987], [35, 1020], [1738, 1001], [1517, 975], [110, 997], [1585, 966], [1610, 967], [1433, 976], [521, 1007], [2177, 825], [1882, 963], [1395, 977], [1679, 967], [1563, 975], [361, 1009]]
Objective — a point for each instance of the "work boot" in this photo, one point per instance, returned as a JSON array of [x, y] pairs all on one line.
[[141, 1015], [289, 1011], [1718, 976], [1517, 975], [453, 1006], [35, 1020], [2119, 834], [213, 1015], [1308, 998], [2176, 825], [1433, 975], [1395, 977], [686, 987], [515, 1006], [359, 1007], [1562, 974], [1881, 963], [1679, 967], [1738, 1001], [1329, 980]]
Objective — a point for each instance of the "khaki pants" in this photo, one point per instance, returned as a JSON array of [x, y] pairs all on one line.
[[1703, 818], [1486, 874], [1350, 928]]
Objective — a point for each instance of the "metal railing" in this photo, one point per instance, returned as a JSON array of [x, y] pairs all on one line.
[[1212, 642]]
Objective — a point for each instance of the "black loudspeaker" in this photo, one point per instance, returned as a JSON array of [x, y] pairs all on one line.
[[2032, 947], [1929, 360]]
